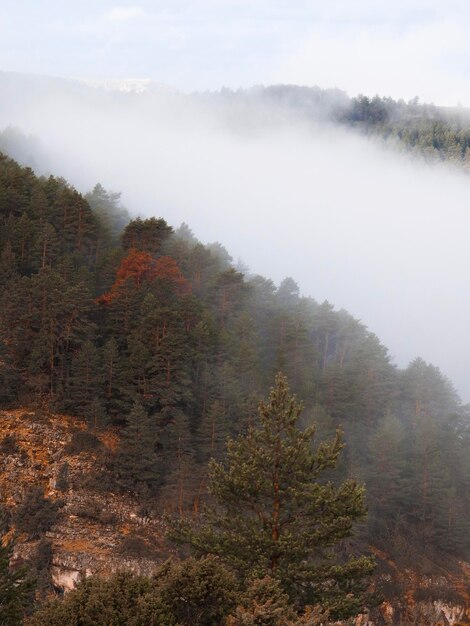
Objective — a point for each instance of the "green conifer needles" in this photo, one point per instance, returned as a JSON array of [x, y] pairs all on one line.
[[273, 512]]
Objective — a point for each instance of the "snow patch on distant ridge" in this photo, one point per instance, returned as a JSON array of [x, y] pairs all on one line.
[[125, 85]]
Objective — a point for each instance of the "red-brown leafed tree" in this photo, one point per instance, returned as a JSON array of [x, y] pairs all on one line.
[[167, 269], [138, 266], [141, 268]]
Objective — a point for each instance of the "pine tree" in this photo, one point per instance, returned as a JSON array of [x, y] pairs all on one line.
[[108, 209], [36, 514], [85, 385], [137, 465], [180, 468], [274, 514], [15, 585], [116, 383], [389, 481], [265, 604], [146, 235]]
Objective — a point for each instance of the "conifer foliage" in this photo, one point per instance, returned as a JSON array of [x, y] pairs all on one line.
[[274, 513], [153, 333], [15, 584], [14, 590]]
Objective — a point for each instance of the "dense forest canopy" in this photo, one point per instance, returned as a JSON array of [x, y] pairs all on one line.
[[289, 146], [93, 321], [137, 326]]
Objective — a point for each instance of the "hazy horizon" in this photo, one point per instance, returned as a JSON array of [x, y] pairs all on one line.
[[401, 49]]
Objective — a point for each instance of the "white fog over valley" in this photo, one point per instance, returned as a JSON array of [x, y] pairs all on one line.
[[354, 222]]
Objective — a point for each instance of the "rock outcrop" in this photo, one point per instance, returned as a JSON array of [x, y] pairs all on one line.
[[101, 532]]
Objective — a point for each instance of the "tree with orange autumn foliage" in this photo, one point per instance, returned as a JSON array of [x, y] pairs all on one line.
[[166, 269], [139, 268], [136, 268]]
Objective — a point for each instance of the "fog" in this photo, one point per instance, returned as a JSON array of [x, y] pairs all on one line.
[[352, 221]]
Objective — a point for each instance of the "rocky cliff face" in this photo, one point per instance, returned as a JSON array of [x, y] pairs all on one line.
[[101, 532], [94, 533], [436, 613]]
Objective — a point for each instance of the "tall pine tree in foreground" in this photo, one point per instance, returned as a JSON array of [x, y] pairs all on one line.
[[273, 512], [16, 587]]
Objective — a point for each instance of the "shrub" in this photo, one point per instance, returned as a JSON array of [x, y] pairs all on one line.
[[191, 593], [198, 591], [438, 592], [110, 602], [90, 509], [62, 482], [40, 415], [264, 604], [108, 518], [8, 445], [83, 441], [135, 547], [40, 564], [36, 514]]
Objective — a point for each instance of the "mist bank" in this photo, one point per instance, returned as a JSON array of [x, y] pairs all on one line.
[[353, 222]]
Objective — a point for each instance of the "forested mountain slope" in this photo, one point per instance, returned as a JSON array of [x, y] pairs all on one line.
[[146, 335], [432, 132]]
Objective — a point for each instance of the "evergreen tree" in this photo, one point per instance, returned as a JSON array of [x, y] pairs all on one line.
[[40, 565], [108, 209], [85, 383], [9, 375], [15, 589], [274, 514], [191, 593], [265, 604], [36, 514], [118, 400], [137, 465], [15, 585], [146, 235], [181, 475], [389, 486]]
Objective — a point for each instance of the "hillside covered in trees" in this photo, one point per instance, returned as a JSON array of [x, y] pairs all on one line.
[[138, 328], [435, 133]]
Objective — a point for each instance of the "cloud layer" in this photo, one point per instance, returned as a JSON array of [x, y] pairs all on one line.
[[368, 229]]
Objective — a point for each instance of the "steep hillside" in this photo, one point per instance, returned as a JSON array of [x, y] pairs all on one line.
[[93, 533], [157, 348], [101, 534]]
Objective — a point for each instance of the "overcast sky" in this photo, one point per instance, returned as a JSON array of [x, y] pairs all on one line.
[[402, 48]]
